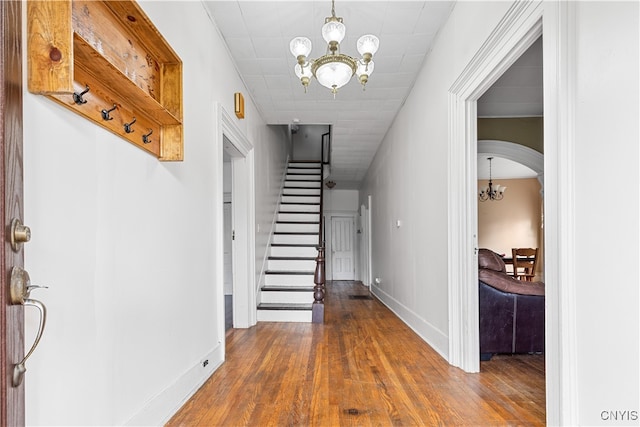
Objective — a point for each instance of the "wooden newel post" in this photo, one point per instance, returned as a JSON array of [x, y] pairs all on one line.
[[317, 314]]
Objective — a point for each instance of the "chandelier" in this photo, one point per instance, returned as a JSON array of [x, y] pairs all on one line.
[[490, 192], [334, 69]]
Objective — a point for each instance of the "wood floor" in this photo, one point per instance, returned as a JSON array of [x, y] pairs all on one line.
[[362, 367]]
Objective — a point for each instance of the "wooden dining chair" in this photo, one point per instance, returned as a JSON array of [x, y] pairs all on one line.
[[524, 263]]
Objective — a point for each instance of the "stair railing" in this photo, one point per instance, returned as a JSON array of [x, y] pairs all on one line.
[[317, 313]]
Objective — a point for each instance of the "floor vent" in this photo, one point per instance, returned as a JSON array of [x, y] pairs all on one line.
[[360, 297]]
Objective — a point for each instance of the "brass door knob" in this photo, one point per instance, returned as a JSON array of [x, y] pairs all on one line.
[[20, 234]]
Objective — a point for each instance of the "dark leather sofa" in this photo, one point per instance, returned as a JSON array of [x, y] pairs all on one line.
[[511, 311]]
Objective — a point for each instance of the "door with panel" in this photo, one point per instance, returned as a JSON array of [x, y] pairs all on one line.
[[11, 256], [342, 248]]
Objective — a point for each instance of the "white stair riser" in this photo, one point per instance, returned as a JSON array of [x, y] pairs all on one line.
[[301, 208], [305, 164], [304, 177], [301, 199], [288, 280], [287, 297], [293, 251], [297, 228], [291, 265], [298, 169], [301, 316], [301, 217], [307, 191], [295, 238], [305, 184]]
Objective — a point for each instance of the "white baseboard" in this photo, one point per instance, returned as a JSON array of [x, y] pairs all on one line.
[[159, 410], [429, 333]]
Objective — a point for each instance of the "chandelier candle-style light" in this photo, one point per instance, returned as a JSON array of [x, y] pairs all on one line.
[[334, 69], [490, 192]]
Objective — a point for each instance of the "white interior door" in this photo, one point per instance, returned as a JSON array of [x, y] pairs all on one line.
[[364, 245], [342, 248]]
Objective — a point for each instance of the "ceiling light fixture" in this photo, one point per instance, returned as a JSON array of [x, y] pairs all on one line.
[[489, 192], [334, 69]]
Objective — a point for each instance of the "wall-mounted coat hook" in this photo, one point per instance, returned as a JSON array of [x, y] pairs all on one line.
[[145, 138], [77, 97], [105, 113], [127, 126]]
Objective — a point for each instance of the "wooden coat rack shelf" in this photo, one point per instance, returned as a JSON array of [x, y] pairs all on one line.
[[106, 61]]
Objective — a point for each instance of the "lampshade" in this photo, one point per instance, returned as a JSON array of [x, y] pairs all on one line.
[[334, 75], [300, 46], [368, 44], [333, 31]]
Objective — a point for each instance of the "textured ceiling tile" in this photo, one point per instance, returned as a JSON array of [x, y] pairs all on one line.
[[258, 35], [241, 48]]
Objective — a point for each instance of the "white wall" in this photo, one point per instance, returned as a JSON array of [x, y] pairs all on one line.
[[307, 142], [407, 181], [607, 230], [340, 200], [128, 244]]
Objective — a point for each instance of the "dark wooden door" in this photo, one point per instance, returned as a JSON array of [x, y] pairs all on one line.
[[11, 198]]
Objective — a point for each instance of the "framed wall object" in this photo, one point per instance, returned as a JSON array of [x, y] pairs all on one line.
[[106, 61]]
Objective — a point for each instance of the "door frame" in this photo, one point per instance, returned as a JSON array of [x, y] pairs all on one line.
[[520, 27], [243, 220]]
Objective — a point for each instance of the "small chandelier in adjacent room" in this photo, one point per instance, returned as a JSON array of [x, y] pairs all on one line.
[[334, 69], [490, 192]]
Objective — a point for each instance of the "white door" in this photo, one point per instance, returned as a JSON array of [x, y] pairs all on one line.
[[342, 248], [364, 245]]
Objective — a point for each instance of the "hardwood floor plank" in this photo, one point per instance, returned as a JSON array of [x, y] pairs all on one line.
[[363, 366]]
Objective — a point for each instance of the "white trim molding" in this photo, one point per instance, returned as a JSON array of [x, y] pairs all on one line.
[[516, 32], [243, 212], [519, 28], [515, 152]]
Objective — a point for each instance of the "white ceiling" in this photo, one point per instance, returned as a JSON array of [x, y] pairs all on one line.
[[518, 92], [502, 168], [258, 33]]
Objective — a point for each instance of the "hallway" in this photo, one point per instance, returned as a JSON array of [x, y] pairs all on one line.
[[362, 367]]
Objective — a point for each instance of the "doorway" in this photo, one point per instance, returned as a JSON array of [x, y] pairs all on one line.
[[365, 243], [227, 185], [520, 27], [342, 248], [236, 148]]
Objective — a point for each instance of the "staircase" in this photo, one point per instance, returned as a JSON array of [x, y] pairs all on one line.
[[287, 294]]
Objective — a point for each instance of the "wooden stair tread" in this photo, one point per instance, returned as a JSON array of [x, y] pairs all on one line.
[[298, 222], [299, 212], [293, 273], [301, 203], [292, 258], [288, 288], [279, 306], [295, 245], [293, 233]]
